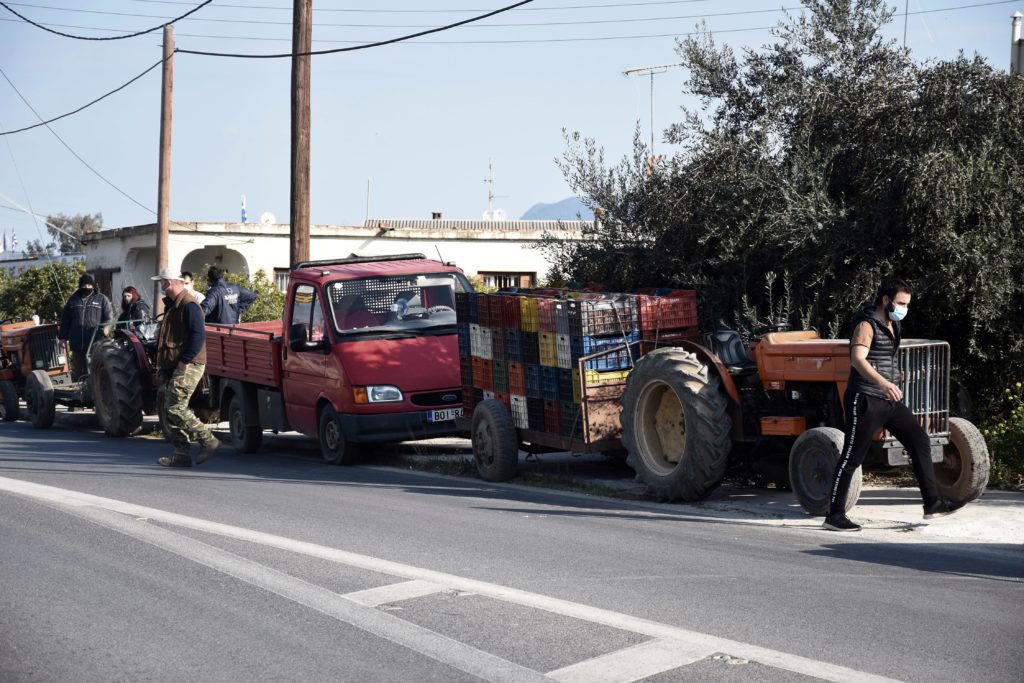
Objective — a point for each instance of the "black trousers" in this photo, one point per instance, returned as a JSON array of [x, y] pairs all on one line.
[[865, 415]]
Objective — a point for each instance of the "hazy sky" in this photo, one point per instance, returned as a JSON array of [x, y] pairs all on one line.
[[417, 121]]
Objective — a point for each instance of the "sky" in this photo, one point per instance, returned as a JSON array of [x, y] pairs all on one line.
[[398, 131]]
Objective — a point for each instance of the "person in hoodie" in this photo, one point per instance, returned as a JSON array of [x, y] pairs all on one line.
[[134, 310], [874, 400], [225, 303], [82, 321]]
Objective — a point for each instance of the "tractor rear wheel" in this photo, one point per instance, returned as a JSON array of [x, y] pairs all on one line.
[[116, 387], [963, 473], [495, 444], [40, 404], [675, 426], [9, 407], [812, 466]]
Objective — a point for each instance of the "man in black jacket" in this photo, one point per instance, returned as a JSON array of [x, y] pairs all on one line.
[[224, 303], [873, 400], [85, 313]]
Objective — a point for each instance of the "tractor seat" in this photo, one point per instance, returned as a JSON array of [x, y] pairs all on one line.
[[729, 347]]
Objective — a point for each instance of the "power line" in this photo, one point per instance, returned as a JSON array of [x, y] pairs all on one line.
[[430, 11], [130, 35]]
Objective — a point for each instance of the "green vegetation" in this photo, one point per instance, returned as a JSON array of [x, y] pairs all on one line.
[[269, 304], [41, 291], [1004, 434]]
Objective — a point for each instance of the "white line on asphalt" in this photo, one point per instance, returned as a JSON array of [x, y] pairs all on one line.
[[395, 592], [596, 615], [632, 663]]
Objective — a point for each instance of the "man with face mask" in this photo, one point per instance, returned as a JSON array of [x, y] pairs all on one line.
[[873, 400], [81, 322], [190, 286]]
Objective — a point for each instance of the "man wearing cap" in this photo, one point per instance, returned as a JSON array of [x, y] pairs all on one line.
[[181, 359], [84, 314]]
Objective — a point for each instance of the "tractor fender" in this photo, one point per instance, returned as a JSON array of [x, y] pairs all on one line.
[[710, 359]]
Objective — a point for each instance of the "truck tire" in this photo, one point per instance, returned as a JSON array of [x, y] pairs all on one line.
[[116, 388], [333, 446], [963, 473], [495, 443], [675, 426], [9, 406], [812, 466], [244, 438], [40, 405]]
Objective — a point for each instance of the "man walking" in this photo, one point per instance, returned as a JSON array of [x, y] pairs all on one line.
[[181, 359], [225, 303], [873, 400], [81, 320]]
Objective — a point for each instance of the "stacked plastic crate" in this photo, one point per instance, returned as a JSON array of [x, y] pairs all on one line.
[[667, 316]]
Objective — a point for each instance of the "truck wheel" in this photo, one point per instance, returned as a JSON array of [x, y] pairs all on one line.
[[495, 446], [244, 438], [116, 388], [963, 473], [675, 426], [9, 407], [812, 466], [39, 400], [333, 446]]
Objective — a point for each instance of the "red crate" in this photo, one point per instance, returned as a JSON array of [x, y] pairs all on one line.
[[483, 373], [674, 312], [483, 312], [546, 315], [511, 312], [516, 379], [552, 417], [504, 398]]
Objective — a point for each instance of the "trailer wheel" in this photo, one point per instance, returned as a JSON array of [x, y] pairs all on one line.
[[674, 425], [245, 439], [333, 446], [40, 404], [495, 446], [812, 466], [963, 473], [116, 388], [9, 406]]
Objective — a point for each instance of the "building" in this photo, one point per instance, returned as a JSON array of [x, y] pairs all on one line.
[[13, 264], [503, 253]]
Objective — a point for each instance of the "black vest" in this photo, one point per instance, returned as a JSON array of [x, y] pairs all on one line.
[[881, 355]]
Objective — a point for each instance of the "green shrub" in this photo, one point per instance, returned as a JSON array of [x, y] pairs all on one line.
[[1004, 434]]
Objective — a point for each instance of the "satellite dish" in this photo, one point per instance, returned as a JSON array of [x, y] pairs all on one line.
[[267, 217]]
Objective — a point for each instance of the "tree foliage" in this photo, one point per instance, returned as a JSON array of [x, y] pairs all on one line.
[[66, 232], [830, 156], [269, 304], [41, 291]]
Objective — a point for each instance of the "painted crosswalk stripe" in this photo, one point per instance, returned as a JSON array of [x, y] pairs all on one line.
[[632, 663], [395, 592]]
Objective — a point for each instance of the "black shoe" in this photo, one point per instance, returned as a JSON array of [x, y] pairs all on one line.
[[206, 450], [840, 522], [175, 460], [941, 508]]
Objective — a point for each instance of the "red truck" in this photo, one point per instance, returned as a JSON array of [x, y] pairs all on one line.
[[367, 352]]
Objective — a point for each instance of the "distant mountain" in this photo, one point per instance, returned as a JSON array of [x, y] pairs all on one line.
[[565, 210]]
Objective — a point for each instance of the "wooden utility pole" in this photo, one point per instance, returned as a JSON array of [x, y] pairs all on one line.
[[164, 182], [302, 41]]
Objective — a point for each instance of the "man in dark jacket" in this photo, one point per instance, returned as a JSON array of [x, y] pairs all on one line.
[[85, 313], [873, 400], [181, 359], [225, 303]]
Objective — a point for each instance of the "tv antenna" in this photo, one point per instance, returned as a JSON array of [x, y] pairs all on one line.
[[492, 214]]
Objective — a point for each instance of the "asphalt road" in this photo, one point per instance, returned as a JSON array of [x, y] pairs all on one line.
[[275, 566]]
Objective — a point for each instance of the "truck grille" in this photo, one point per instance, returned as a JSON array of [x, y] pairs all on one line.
[[437, 398], [925, 366], [46, 352]]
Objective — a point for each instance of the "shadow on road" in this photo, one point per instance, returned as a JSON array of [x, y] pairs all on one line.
[[988, 560]]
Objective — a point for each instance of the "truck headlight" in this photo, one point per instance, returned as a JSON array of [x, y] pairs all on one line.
[[377, 393]]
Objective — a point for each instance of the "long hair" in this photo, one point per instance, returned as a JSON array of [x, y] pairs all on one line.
[[135, 297]]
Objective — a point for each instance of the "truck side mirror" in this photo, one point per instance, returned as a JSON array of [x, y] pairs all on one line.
[[298, 339]]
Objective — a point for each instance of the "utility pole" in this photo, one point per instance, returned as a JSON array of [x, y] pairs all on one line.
[[1016, 45], [650, 71], [302, 41], [164, 178]]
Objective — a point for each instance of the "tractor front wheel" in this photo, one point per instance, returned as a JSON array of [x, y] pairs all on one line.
[[812, 466], [40, 404], [963, 473], [9, 406]]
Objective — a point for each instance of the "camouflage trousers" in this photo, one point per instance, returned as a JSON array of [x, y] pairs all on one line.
[[184, 426]]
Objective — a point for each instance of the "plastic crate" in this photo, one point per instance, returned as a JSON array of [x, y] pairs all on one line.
[[528, 313], [497, 343], [546, 315], [598, 378], [480, 341], [464, 340], [562, 317], [466, 307], [510, 311], [563, 349], [617, 357], [565, 392], [572, 420], [519, 414], [516, 378], [500, 370], [532, 373], [514, 345], [483, 306], [548, 348], [549, 383], [487, 394], [531, 347], [483, 373], [663, 313], [466, 370], [504, 398], [552, 417], [602, 317], [535, 413], [577, 386]]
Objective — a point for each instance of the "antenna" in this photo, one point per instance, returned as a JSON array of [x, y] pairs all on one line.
[[491, 214]]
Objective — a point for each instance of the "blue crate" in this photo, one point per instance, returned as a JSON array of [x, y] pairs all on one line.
[[532, 373], [531, 348], [565, 385], [514, 346], [621, 359], [466, 308], [549, 383], [464, 345]]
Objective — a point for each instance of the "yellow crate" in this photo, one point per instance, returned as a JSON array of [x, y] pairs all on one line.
[[548, 347], [607, 377], [528, 313], [577, 390]]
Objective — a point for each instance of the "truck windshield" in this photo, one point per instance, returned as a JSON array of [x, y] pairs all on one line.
[[395, 304]]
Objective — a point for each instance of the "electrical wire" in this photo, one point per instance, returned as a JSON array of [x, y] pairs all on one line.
[[130, 35], [365, 46], [431, 11]]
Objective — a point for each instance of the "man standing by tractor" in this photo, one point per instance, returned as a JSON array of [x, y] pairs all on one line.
[[873, 400], [181, 359], [82, 319], [225, 303]]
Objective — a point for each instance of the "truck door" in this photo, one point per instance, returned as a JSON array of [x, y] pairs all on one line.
[[304, 370]]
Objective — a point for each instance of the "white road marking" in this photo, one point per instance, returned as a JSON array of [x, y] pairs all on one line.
[[632, 663], [596, 615], [395, 592]]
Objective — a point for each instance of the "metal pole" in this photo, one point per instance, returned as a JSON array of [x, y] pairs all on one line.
[[652, 114], [1016, 45], [164, 177], [302, 40]]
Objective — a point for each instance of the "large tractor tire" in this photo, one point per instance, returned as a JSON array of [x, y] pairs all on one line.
[[116, 388], [963, 473], [10, 409], [495, 444], [675, 426], [812, 467], [334, 448], [40, 403], [244, 438]]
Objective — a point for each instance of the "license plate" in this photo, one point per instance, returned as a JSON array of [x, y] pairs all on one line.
[[444, 415]]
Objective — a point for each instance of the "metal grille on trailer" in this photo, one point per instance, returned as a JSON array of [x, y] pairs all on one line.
[[925, 367]]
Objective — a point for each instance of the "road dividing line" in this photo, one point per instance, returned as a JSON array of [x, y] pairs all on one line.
[[395, 592], [803, 665], [632, 663]]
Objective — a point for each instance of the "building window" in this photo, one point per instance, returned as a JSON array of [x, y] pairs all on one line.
[[501, 280], [281, 278]]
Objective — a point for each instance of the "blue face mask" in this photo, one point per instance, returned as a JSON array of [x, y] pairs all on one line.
[[897, 313]]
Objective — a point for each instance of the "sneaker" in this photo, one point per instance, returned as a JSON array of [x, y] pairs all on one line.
[[941, 508], [175, 460], [840, 522], [206, 450]]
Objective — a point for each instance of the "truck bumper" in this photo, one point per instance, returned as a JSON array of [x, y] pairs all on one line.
[[393, 427]]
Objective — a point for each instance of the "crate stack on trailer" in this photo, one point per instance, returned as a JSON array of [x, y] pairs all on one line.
[[528, 349]]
